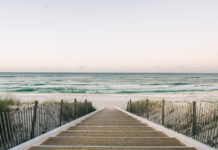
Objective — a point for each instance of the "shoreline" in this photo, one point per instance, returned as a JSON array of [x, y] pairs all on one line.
[[110, 100]]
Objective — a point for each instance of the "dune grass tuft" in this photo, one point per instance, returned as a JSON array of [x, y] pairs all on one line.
[[8, 101]]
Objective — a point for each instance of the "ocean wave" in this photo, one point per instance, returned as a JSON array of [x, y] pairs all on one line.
[[178, 83], [7, 76], [61, 90], [164, 91], [196, 77], [38, 84], [58, 80], [26, 90], [178, 91], [107, 83], [155, 84], [105, 91], [129, 92]]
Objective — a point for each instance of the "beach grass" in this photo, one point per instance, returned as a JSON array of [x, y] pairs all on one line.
[[8, 101]]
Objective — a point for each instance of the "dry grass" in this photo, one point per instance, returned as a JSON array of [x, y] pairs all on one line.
[[8, 102]]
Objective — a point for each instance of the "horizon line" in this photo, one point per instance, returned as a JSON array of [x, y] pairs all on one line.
[[112, 72]]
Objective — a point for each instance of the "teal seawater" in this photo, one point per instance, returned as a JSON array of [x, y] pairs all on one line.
[[107, 83]]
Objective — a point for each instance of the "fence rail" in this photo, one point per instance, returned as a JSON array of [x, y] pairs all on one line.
[[197, 119], [18, 126]]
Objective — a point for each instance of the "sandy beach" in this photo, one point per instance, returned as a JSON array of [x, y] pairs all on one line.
[[120, 100]]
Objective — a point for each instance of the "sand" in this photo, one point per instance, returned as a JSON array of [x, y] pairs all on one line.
[[120, 100]]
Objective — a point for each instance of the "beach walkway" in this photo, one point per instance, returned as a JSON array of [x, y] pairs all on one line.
[[111, 129]]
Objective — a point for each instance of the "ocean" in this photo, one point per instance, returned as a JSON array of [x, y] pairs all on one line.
[[107, 83]]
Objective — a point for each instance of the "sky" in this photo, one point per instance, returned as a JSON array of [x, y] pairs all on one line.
[[109, 36]]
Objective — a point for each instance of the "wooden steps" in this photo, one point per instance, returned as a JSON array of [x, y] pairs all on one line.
[[112, 133], [111, 129], [110, 148], [118, 141], [111, 124]]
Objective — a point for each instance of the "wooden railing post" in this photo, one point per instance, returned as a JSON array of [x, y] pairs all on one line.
[[34, 120], [163, 112], [138, 108], [147, 108], [8, 127], [127, 108], [86, 107], [3, 132], [75, 109], [90, 109], [130, 105], [194, 119], [61, 112]]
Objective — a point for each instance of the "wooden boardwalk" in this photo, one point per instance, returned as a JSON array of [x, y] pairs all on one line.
[[111, 129]]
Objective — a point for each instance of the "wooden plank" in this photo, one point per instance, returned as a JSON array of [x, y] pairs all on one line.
[[75, 108], [24, 124], [9, 127], [61, 112], [194, 118], [5, 130], [130, 104], [32, 134], [86, 107], [163, 113], [2, 133], [147, 108]]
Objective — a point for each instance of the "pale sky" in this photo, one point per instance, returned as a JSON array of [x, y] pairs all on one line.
[[109, 35]]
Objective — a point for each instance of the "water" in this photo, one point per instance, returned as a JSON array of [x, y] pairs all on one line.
[[107, 83]]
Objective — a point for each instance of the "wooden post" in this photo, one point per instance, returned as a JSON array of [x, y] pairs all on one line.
[[130, 105], [7, 139], [3, 131], [20, 128], [147, 108], [163, 113], [127, 108], [86, 111], [74, 109], [61, 112], [8, 124], [34, 120], [90, 106], [194, 119]]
